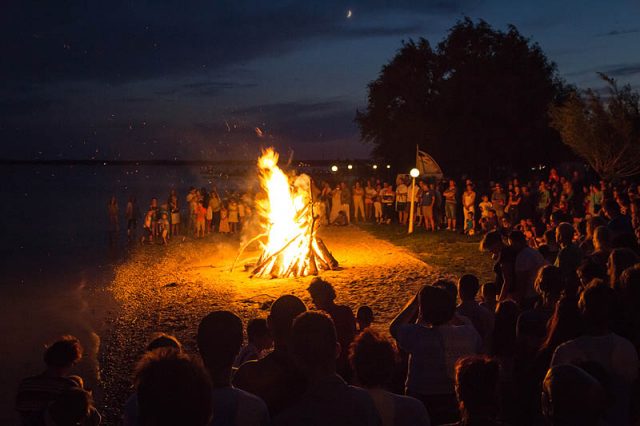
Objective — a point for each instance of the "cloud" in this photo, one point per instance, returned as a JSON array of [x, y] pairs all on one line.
[[619, 32], [119, 42], [624, 70]]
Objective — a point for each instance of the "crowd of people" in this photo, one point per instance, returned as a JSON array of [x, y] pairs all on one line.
[[553, 339], [200, 213]]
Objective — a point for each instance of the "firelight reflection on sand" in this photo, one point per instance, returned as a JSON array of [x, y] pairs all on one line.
[[292, 247]]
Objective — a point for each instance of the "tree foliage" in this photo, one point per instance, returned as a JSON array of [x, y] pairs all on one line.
[[605, 132], [480, 99]]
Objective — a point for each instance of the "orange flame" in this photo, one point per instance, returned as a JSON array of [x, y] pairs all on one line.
[[292, 248]]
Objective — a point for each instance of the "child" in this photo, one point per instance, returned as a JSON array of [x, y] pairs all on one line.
[[148, 226], [224, 221], [163, 227], [233, 216], [469, 224], [201, 213], [364, 317], [259, 342], [488, 296], [208, 219], [485, 206]]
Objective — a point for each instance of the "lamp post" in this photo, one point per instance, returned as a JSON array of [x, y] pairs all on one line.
[[414, 174]]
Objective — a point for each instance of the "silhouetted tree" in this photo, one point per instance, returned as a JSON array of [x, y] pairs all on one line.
[[477, 102], [605, 132]]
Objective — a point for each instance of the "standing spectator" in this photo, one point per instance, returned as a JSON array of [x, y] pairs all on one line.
[[358, 202], [488, 296], [402, 198], [387, 196], [543, 201], [259, 341], [437, 205], [328, 400], [569, 257], [369, 199], [219, 339], [216, 206], [615, 354], [377, 204], [619, 224], [427, 200], [450, 205], [275, 378], [323, 297], [345, 200], [132, 214], [477, 383], [499, 200], [201, 215], [571, 396], [373, 359], [425, 330], [504, 266], [619, 260], [173, 389], [528, 262], [469, 202], [232, 213], [481, 318]]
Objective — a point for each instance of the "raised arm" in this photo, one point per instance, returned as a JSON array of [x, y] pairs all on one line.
[[408, 315]]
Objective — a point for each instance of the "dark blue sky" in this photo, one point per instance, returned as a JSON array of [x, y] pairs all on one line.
[[193, 79]]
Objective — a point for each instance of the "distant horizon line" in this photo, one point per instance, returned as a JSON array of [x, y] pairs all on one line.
[[165, 162]]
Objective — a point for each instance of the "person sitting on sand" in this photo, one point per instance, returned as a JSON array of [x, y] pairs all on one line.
[[364, 317], [37, 392], [275, 378], [219, 339], [259, 342], [373, 359]]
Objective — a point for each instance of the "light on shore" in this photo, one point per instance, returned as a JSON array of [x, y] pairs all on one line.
[[334, 168]]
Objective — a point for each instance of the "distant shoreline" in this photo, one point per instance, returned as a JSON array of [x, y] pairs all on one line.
[[71, 162]]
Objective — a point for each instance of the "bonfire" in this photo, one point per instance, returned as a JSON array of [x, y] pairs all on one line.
[[289, 242]]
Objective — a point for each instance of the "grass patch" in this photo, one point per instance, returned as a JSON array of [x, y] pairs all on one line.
[[450, 252]]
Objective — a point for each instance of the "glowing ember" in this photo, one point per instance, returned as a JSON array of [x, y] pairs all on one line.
[[292, 247]]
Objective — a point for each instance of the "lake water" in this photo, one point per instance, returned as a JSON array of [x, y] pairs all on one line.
[[55, 255]]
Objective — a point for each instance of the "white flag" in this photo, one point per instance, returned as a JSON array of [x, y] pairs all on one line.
[[428, 166]]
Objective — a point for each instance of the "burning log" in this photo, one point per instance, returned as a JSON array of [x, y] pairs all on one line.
[[292, 248]]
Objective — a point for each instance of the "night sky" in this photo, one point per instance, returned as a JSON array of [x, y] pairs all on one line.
[[194, 79]]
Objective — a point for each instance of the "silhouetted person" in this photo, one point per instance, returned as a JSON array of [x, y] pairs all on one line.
[[364, 317], [328, 399], [72, 407], [275, 378], [173, 389], [219, 340], [504, 266], [159, 341], [482, 318], [323, 297], [619, 260], [259, 340], [527, 263], [426, 330], [37, 392], [619, 224], [373, 359], [488, 296], [572, 397], [615, 354], [477, 380]]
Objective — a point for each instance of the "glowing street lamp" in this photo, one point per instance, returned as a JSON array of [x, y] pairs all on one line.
[[375, 166], [350, 166], [414, 174], [334, 168], [388, 166]]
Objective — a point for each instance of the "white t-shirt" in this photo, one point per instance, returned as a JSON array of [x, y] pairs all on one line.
[[402, 192]]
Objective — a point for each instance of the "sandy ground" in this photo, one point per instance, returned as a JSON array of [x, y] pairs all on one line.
[[169, 289]]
